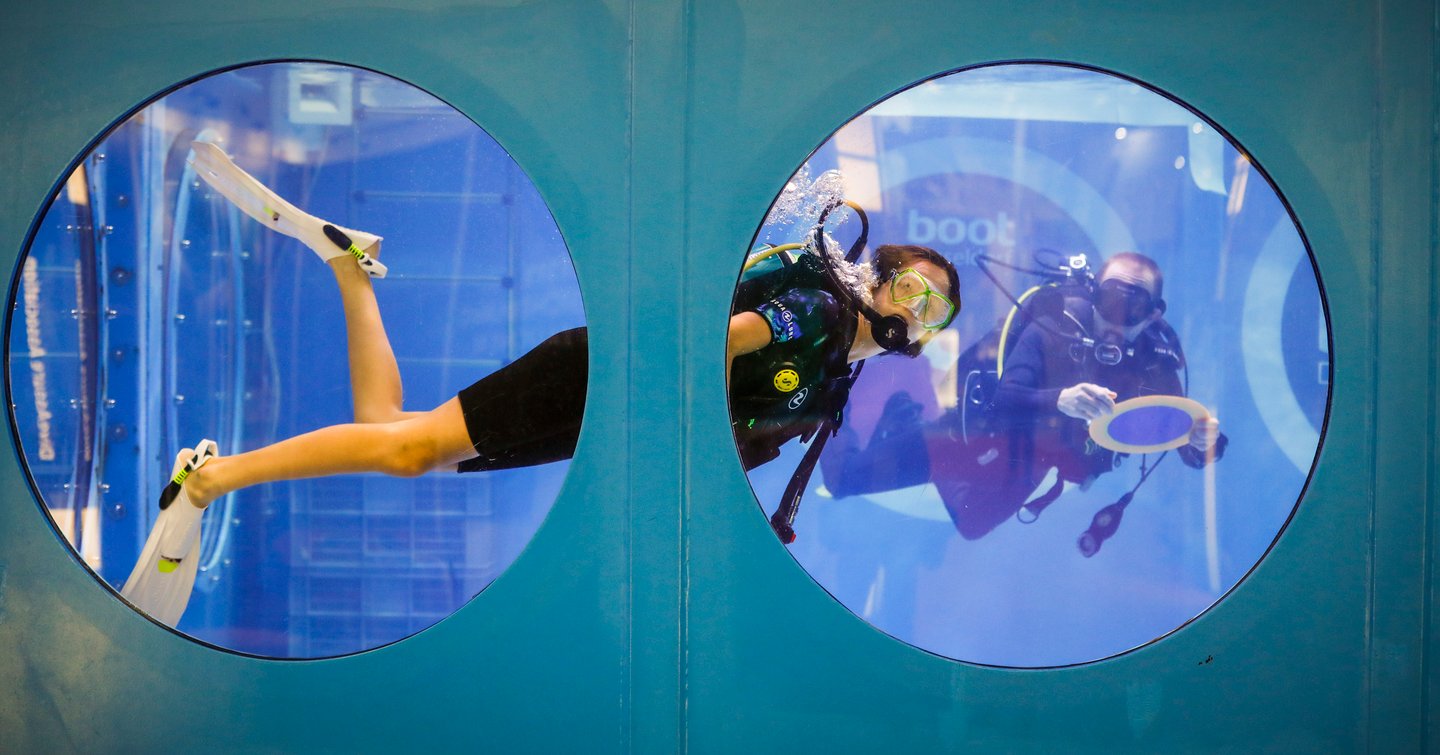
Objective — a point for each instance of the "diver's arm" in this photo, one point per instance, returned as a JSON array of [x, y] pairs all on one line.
[[1207, 444], [1020, 399], [748, 332], [1196, 458], [1086, 401], [1205, 434]]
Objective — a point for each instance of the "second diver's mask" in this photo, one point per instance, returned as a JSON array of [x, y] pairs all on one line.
[[1133, 309], [1123, 303]]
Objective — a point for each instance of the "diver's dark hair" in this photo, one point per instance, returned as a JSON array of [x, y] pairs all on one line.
[[892, 258], [1136, 258]]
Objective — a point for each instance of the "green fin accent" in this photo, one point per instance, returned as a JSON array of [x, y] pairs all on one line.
[[166, 566]]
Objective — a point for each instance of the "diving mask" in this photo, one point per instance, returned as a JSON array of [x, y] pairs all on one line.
[[932, 309], [1123, 303]]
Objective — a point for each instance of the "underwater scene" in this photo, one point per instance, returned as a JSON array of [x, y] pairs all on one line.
[[1028, 364], [1095, 361], [153, 309]]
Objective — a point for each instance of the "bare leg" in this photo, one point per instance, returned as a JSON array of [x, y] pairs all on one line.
[[375, 386], [406, 447]]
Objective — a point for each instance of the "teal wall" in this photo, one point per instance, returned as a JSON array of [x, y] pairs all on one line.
[[642, 618]]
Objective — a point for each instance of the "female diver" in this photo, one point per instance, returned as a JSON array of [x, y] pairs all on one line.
[[796, 330]]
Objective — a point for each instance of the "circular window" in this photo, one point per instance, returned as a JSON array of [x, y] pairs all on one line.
[[1095, 365], [209, 282]]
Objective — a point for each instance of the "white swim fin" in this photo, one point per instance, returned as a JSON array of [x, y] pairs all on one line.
[[258, 201], [164, 575]]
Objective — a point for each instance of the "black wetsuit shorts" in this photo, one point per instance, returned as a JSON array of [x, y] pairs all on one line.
[[528, 412]]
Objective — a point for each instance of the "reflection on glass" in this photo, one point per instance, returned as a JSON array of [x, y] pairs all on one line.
[[201, 276], [1051, 481]]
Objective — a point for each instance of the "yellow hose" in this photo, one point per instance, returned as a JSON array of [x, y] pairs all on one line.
[[765, 254]]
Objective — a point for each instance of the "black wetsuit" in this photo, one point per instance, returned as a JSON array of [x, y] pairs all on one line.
[[529, 411], [986, 471], [1043, 363], [788, 388]]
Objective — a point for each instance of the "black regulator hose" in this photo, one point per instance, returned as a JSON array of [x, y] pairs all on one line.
[[783, 520]]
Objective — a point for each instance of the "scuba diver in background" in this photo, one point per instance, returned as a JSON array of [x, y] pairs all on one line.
[[799, 325], [1083, 345]]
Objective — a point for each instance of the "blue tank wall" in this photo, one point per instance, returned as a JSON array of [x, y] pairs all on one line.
[[655, 611], [310, 568]]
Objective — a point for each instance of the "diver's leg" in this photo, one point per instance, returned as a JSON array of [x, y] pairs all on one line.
[[375, 387], [895, 458], [405, 448], [985, 481]]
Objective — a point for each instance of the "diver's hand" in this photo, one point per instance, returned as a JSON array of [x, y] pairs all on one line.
[[1086, 401], [1204, 434]]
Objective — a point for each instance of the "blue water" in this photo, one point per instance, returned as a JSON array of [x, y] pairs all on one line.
[[191, 321], [148, 315], [1005, 162]]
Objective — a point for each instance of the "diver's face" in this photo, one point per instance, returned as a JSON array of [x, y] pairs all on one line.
[[916, 294], [1125, 300]]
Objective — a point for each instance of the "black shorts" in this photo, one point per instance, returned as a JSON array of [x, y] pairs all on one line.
[[528, 412]]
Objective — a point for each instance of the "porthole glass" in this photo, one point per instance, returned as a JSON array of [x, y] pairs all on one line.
[[1095, 365], [212, 270]]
